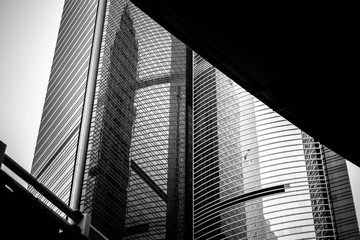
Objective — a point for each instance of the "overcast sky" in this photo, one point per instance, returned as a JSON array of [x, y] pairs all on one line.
[[28, 31]]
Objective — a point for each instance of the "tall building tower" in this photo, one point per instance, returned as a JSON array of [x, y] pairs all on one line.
[[346, 223], [156, 143], [145, 72], [257, 176], [128, 162], [225, 166], [60, 132], [115, 115]]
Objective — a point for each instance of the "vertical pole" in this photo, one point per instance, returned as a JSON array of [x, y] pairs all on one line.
[[80, 159], [85, 225], [189, 162]]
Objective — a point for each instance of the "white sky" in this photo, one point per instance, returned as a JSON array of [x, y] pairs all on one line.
[[28, 31]]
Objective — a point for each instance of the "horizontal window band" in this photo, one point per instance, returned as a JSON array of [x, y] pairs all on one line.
[[57, 152]]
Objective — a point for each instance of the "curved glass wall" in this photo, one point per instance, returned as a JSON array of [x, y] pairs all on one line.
[[256, 176], [135, 173]]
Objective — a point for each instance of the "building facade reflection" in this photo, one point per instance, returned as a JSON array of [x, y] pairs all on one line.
[[144, 72], [226, 165], [108, 178], [177, 150], [253, 151]]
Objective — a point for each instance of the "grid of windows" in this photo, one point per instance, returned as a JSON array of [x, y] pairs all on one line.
[[255, 175], [108, 175], [135, 173], [341, 196]]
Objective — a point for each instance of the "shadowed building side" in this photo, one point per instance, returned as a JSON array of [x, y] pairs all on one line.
[[109, 162], [175, 217], [342, 200]]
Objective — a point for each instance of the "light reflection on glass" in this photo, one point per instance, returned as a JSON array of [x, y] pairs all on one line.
[[254, 149]]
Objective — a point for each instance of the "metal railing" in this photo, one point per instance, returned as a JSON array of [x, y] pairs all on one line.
[[81, 221]]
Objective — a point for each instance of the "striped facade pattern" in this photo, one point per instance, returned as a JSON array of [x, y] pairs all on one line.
[[56, 146], [243, 148], [108, 177], [150, 203], [255, 175], [341, 196]]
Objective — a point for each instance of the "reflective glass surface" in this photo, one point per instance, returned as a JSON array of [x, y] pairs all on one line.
[[169, 131], [256, 176], [135, 174], [56, 145]]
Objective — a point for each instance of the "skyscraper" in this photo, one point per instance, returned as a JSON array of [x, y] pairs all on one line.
[[156, 143], [59, 132], [115, 116], [153, 121], [134, 151], [257, 176]]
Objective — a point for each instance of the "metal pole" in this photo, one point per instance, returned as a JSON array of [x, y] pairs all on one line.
[[80, 160]]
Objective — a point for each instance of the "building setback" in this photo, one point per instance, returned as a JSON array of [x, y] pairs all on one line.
[[156, 143]]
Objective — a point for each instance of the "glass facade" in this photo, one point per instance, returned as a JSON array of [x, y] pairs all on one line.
[[135, 173], [341, 196], [256, 176], [115, 114], [56, 145], [177, 150]]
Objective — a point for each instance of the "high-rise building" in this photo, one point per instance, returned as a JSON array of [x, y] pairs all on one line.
[[57, 142], [132, 139], [137, 135], [257, 176], [156, 143]]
